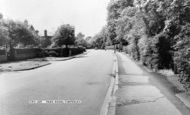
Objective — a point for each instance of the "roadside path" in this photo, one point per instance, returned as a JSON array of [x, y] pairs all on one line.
[[137, 95]]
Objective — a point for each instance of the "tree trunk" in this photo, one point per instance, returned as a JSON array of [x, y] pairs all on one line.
[[10, 52]]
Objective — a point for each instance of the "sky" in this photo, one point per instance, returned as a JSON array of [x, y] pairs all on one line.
[[88, 16]]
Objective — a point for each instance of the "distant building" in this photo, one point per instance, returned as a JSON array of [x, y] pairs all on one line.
[[45, 40]]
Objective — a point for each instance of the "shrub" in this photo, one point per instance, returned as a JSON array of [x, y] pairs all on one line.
[[64, 52], [164, 51], [133, 48], [75, 51], [52, 53], [156, 52], [2, 52], [182, 54], [27, 51]]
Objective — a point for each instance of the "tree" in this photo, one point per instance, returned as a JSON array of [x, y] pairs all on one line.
[[182, 53], [89, 41], [4, 35], [115, 9], [1, 16], [20, 33], [45, 42], [101, 40], [80, 35], [80, 40], [16, 34], [157, 32], [25, 35], [98, 41], [113, 15], [65, 35]]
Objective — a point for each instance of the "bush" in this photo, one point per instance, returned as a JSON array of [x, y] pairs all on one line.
[[28, 51], [2, 52], [164, 51], [133, 48], [52, 54], [146, 54], [157, 52], [63, 52], [182, 54], [78, 50], [43, 53]]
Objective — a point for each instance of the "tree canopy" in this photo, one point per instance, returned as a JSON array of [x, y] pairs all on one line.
[[80, 40], [18, 34], [65, 35], [156, 32]]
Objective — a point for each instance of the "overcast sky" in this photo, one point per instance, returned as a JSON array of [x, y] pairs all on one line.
[[88, 16]]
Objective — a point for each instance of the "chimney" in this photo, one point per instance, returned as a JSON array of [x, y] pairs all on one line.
[[45, 33]]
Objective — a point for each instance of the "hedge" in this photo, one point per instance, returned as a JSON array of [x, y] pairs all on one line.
[[2, 52], [27, 51], [63, 52]]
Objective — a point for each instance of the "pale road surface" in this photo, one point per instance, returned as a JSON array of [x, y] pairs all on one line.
[[137, 95], [85, 78]]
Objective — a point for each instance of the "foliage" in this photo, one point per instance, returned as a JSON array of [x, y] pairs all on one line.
[[101, 39], [65, 35], [4, 35], [89, 41], [115, 9], [57, 52], [182, 53], [45, 41], [80, 40], [18, 33], [157, 32], [1, 16]]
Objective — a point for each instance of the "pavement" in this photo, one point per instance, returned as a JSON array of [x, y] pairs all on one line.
[[22, 65], [143, 93], [72, 87]]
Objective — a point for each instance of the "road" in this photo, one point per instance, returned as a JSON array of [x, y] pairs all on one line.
[[85, 79]]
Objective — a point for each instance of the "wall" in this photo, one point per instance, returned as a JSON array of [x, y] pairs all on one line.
[[20, 54], [3, 57], [23, 54]]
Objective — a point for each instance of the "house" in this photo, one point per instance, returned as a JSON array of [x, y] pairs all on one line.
[[45, 40]]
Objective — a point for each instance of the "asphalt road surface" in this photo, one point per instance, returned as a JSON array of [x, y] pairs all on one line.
[[84, 81]]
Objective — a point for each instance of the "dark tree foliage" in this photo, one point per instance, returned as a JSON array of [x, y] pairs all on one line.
[[45, 42], [101, 40], [80, 40], [65, 35], [115, 9], [162, 52], [157, 32], [18, 33], [182, 53]]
